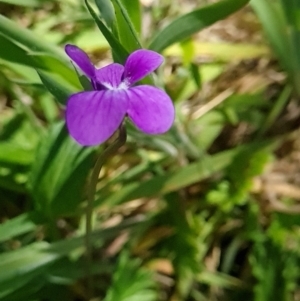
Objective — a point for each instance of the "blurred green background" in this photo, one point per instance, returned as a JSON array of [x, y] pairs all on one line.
[[208, 211]]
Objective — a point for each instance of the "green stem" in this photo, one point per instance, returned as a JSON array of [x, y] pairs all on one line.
[[92, 186], [276, 110]]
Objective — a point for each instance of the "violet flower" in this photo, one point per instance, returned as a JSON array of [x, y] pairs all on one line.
[[93, 116]]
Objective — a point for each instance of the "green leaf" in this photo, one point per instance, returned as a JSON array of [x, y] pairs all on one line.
[[19, 225], [188, 24], [18, 140], [219, 279], [213, 122], [54, 65], [34, 261], [172, 181], [291, 10], [274, 25], [196, 75], [126, 29], [59, 91], [58, 175], [26, 262], [21, 74], [272, 265], [30, 3], [131, 282], [11, 52], [276, 110], [222, 52], [283, 34], [134, 11], [28, 39], [107, 11], [118, 50]]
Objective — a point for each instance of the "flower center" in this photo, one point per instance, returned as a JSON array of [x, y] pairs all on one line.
[[122, 86]]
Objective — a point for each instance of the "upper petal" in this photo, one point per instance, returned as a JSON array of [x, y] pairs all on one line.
[[140, 63], [92, 117], [110, 76], [151, 109], [81, 59]]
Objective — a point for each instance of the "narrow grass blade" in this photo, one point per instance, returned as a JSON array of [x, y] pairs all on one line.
[[274, 24], [188, 24], [276, 109], [29, 3], [174, 181], [27, 38], [19, 225], [59, 91], [126, 29], [119, 51], [107, 12], [57, 177]]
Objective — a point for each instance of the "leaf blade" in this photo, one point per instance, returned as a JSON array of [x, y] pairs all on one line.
[[190, 23], [119, 51]]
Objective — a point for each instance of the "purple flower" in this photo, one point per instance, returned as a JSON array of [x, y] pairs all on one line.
[[93, 116]]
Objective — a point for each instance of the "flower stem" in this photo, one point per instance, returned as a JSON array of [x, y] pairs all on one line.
[[92, 186]]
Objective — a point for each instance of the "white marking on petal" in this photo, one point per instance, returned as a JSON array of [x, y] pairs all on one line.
[[122, 86], [108, 86]]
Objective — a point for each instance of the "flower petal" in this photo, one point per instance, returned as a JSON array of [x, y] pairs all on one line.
[[151, 109], [92, 117], [81, 59], [141, 63], [110, 76]]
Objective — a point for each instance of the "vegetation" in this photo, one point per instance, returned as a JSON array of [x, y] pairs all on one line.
[[208, 211]]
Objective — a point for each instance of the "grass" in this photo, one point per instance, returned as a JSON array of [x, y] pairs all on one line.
[[208, 211]]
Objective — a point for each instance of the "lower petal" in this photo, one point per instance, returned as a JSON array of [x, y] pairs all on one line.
[[151, 109], [92, 117]]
